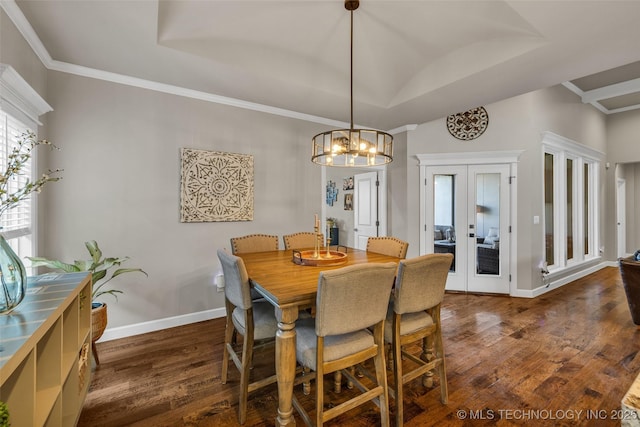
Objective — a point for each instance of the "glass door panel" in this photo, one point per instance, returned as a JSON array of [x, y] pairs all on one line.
[[487, 223], [444, 237]]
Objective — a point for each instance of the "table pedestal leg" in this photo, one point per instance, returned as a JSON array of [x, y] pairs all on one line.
[[286, 364]]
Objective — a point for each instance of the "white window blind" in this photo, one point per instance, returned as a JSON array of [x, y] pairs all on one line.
[[15, 222]]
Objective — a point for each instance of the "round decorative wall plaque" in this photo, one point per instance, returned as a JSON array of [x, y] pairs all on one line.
[[468, 125]]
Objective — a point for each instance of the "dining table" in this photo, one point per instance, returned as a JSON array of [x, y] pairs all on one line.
[[290, 286]]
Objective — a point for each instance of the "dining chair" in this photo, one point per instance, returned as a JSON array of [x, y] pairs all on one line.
[[254, 243], [391, 246], [301, 240], [414, 315], [349, 301], [255, 321], [387, 245]]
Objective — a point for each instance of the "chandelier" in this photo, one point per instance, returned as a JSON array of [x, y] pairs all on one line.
[[352, 147]]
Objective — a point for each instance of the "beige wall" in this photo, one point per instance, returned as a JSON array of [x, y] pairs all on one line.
[[623, 137], [514, 124], [15, 51], [630, 173], [120, 151], [623, 147]]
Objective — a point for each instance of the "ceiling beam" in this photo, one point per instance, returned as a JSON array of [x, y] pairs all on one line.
[[611, 91]]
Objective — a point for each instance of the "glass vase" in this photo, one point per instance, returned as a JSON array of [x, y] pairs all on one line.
[[13, 278]]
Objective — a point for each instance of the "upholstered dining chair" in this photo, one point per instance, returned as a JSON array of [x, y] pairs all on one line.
[[255, 321], [254, 243], [301, 240], [349, 301], [391, 246], [413, 315], [387, 245]]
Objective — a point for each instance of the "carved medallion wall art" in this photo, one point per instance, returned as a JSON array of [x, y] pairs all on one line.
[[468, 125], [216, 186]]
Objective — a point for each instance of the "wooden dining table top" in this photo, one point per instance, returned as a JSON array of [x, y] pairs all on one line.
[[285, 283]]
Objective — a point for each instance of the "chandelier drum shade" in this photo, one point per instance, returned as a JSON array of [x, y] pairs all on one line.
[[352, 147]]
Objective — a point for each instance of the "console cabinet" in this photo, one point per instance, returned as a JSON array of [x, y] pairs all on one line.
[[45, 351]]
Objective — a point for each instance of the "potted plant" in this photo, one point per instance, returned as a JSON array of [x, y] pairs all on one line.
[[99, 268], [4, 415]]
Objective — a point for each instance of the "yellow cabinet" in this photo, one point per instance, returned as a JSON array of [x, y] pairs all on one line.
[[45, 350]]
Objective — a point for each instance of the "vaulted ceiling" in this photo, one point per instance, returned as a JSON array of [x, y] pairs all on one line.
[[414, 61]]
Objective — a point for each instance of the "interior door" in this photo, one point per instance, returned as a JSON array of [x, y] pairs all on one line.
[[488, 229], [445, 213], [467, 215], [365, 208], [621, 207]]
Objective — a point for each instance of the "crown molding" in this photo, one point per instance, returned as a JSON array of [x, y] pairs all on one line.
[[20, 98], [401, 129], [123, 79], [27, 31], [24, 27]]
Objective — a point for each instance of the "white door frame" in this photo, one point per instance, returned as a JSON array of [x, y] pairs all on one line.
[[475, 158], [377, 196], [621, 217], [382, 196]]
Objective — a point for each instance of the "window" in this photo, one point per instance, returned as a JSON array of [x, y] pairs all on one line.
[[570, 173], [16, 223], [20, 109]]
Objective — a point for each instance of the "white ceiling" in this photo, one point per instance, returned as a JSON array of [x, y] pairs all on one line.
[[414, 61]]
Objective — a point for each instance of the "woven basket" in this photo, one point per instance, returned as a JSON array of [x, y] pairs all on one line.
[[98, 322]]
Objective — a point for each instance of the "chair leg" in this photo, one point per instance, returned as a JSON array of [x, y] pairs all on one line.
[[229, 332], [381, 376], [228, 336], [397, 373], [442, 370], [337, 381], [306, 385], [247, 356], [427, 355], [319, 382]]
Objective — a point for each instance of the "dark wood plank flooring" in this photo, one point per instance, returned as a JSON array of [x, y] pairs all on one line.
[[510, 361]]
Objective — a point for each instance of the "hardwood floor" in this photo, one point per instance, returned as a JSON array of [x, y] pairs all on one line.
[[510, 361]]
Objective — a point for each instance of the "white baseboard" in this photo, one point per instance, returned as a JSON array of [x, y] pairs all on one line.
[[555, 284], [156, 325]]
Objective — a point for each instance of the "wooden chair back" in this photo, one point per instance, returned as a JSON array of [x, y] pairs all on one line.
[[301, 240], [387, 245], [254, 243]]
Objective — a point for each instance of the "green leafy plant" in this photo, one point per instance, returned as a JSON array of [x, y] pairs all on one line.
[[98, 267], [4, 415], [12, 191]]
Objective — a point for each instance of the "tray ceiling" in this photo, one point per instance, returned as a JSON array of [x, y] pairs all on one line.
[[414, 61]]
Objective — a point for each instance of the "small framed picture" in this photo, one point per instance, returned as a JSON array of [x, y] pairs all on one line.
[[348, 202], [348, 183]]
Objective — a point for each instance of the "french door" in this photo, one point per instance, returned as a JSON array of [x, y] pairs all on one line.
[[467, 214]]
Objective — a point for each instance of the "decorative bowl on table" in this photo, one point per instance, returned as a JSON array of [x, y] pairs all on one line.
[[319, 258]]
